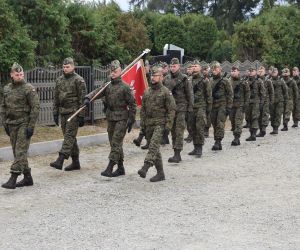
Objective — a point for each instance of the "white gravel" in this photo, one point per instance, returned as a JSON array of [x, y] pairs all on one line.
[[245, 197]]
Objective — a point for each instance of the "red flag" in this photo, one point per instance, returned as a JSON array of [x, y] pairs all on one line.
[[135, 77]]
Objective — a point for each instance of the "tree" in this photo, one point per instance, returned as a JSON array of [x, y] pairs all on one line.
[[15, 43]]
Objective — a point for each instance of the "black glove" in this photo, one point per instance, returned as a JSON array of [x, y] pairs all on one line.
[[228, 111], [6, 130], [129, 125], [55, 118], [29, 132], [80, 121], [166, 132], [86, 101]]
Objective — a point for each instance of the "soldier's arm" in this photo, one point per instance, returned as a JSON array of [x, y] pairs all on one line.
[[295, 90], [55, 99], [229, 93], [208, 95], [246, 93], [130, 103], [81, 93], [271, 91], [170, 107], [262, 91], [34, 103], [189, 94], [285, 91]]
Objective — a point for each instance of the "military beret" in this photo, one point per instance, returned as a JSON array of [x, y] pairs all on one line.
[[68, 60], [156, 70], [252, 68], [196, 62], [262, 67], [16, 67], [174, 61], [296, 69], [115, 64], [235, 67], [215, 64], [286, 70], [205, 66], [188, 64]]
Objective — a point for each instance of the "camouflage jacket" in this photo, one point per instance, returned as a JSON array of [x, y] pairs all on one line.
[[269, 89], [222, 92], [297, 80], [280, 90], [69, 94], [202, 92], [241, 92], [257, 90], [292, 89], [20, 104], [119, 101], [181, 89], [158, 107]]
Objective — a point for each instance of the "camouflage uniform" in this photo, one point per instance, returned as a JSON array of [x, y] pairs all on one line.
[[208, 119], [296, 109], [281, 97], [222, 94], [19, 112], [241, 95], [189, 72], [182, 91]]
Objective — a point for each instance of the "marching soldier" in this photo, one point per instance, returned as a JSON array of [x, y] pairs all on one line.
[[189, 73], [157, 116], [241, 95], [293, 97], [264, 115], [202, 106], [281, 97], [296, 110], [19, 112], [120, 115], [69, 92], [222, 103], [181, 89], [205, 73]]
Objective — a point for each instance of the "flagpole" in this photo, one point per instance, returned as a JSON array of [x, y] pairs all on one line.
[[146, 51]]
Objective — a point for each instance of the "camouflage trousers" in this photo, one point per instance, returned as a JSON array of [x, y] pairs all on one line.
[[287, 111], [69, 129], [198, 126], [208, 122], [116, 133], [237, 118], [218, 119], [188, 125], [253, 115], [296, 111], [264, 115], [276, 112], [154, 133], [178, 130], [20, 145]]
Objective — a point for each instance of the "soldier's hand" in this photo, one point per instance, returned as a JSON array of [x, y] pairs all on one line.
[[228, 111], [6, 130], [86, 101], [55, 118], [129, 126], [80, 121], [29, 132], [166, 132], [190, 117]]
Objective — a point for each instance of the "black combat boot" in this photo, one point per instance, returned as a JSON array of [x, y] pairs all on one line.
[[176, 158], [196, 151], [11, 183], [206, 132], [146, 146], [120, 170], [285, 127], [246, 125], [275, 131], [108, 171], [138, 140], [75, 165], [236, 141], [262, 132], [160, 176], [252, 136], [58, 164], [217, 145], [189, 138], [27, 180], [295, 125], [143, 171], [165, 139]]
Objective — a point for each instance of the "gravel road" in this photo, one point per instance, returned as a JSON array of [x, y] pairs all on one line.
[[245, 197]]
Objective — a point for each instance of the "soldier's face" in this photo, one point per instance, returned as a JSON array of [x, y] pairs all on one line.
[[286, 74], [295, 72], [216, 71], [156, 78], [261, 72], [174, 68], [68, 68], [17, 76], [116, 73], [165, 70], [196, 68], [235, 73], [275, 73], [189, 70], [205, 72], [252, 73]]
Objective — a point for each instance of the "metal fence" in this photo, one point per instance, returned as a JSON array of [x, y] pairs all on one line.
[[43, 79]]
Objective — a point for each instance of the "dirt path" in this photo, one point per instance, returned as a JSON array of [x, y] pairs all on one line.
[[241, 198]]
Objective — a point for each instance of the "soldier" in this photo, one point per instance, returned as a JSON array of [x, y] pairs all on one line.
[[182, 91], [120, 115], [256, 102], [69, 92], [246, 77], [293, 97], [157, 116], [264, 115], [222, 103], [165, 68], [189, 73], [202, 106], [281, 97], [241, 95], [205, 73], [19, 112], [296, 110]]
